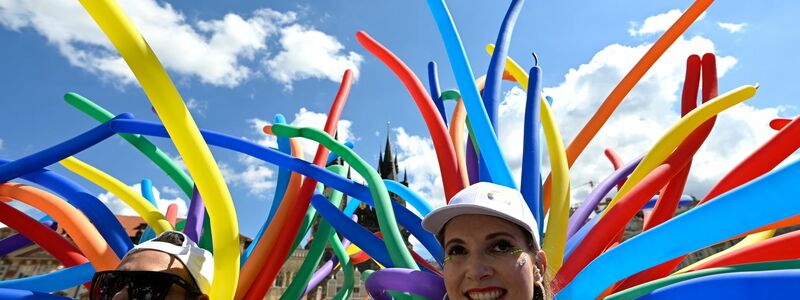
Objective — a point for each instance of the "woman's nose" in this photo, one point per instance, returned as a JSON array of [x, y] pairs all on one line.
[[477, 268]]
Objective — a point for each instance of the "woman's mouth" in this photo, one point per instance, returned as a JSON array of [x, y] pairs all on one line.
[[490, 293]]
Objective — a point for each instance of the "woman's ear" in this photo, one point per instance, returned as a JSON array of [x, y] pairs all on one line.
[[541, 262]]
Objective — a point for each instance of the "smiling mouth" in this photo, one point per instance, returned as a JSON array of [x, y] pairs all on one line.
[[485, 294]]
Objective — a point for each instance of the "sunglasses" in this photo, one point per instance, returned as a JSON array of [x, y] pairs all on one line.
[[141, 285]]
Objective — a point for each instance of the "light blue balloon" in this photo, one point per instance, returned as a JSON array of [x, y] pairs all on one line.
[[422, 206], [487, 141], [731, 214]]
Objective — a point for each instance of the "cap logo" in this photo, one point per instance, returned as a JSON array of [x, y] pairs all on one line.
[[497, 195]]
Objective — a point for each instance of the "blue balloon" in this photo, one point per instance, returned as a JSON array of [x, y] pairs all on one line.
[[773, 284], [52, 282], [478, 118], [728, 215], [531, 175], [147, 193], [436, 93], [405, 217], [284, 174]]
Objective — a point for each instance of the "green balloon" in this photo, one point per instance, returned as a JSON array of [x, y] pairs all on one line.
[[398, 252]]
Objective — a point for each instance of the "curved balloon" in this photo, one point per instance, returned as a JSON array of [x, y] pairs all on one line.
[[642, 289], [52, 282], [773, 284], [185, 135], [49, 240], [481, 126], [780, 186], [147, 211], [436, 126], [404, 280], [283, 176], [402, 191], [32, 164], [588, 205], [326, 269], [435, 92], [284, 234], [172, 214], [494, 73], [15, 294], [675, 135], [406, 218], [79, 228]]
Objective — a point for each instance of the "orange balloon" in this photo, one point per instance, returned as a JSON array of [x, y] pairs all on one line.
[[79, 228]]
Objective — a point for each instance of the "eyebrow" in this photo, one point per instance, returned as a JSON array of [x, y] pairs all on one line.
[[458, 241], [499, 234]]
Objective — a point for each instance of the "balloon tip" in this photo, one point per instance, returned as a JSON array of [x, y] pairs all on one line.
[[757, 85], [535, 59]]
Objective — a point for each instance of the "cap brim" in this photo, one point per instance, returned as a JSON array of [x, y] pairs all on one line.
[[434, 222]]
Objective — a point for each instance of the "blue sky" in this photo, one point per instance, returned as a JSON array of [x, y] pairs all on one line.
[[238, 63]]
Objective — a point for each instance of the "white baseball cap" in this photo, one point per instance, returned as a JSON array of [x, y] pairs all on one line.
[[198, 261], [484, 198]]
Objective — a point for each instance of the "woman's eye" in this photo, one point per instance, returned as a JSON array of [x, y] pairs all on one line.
[[502, 247], [456, 250]]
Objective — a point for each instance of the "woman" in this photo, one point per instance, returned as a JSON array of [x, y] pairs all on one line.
[[491, 245]]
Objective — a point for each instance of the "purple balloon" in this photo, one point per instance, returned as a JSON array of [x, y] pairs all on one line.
[[472, 163], [404, 280], [195, 217], [579, 217]]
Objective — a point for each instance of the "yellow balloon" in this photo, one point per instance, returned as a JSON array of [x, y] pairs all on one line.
[[747, 241], [184, 133], [675, 135], [556, 238], [144, 208]]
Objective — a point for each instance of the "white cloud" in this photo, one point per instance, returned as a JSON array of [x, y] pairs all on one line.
[[119, 207], [309, 53], [658, 23], [732, 27], [197, 106], [219, 52], [417, 155]]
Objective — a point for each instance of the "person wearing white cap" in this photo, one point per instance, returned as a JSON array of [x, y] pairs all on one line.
[[491, 245], [171, 266]]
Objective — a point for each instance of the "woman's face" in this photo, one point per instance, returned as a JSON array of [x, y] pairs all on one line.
[[488, 258]]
